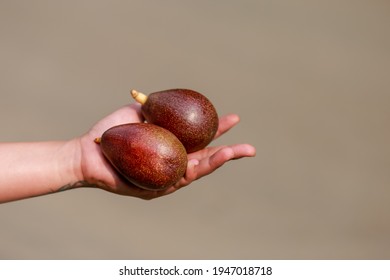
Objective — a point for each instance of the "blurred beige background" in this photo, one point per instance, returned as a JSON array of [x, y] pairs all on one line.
[[310, 80]]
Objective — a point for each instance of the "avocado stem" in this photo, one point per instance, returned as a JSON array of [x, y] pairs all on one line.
[[139, 96], [98, 140]]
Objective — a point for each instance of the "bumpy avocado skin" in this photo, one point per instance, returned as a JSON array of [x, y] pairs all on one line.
[[146, 155], [186, 113]]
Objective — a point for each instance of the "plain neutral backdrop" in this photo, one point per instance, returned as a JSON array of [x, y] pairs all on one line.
[[310, 80]]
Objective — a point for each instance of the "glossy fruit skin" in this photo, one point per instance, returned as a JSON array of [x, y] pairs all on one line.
[[186, 113], [148, 156]]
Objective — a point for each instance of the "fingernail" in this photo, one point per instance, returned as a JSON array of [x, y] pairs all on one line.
[[193, 162]]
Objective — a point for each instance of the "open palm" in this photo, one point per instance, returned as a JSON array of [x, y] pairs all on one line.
[[99, 172]]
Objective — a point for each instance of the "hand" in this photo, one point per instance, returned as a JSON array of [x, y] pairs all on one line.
[[97, 171]]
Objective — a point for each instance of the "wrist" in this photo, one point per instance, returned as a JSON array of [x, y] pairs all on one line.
[[69, 162]]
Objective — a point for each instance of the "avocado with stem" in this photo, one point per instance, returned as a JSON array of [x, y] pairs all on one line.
[[186, 113], [146, 155]]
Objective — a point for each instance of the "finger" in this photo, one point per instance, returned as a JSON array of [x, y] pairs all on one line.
[[240, 149], [221, 156], [204, 153], [189, 176], [226, 123]]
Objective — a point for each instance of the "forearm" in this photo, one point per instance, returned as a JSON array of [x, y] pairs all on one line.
[[33, 169]]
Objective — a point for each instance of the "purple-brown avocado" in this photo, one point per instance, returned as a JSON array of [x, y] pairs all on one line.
[[146, 155], [186, 113]]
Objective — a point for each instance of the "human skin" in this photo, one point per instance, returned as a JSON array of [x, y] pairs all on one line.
[[30, 169]]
